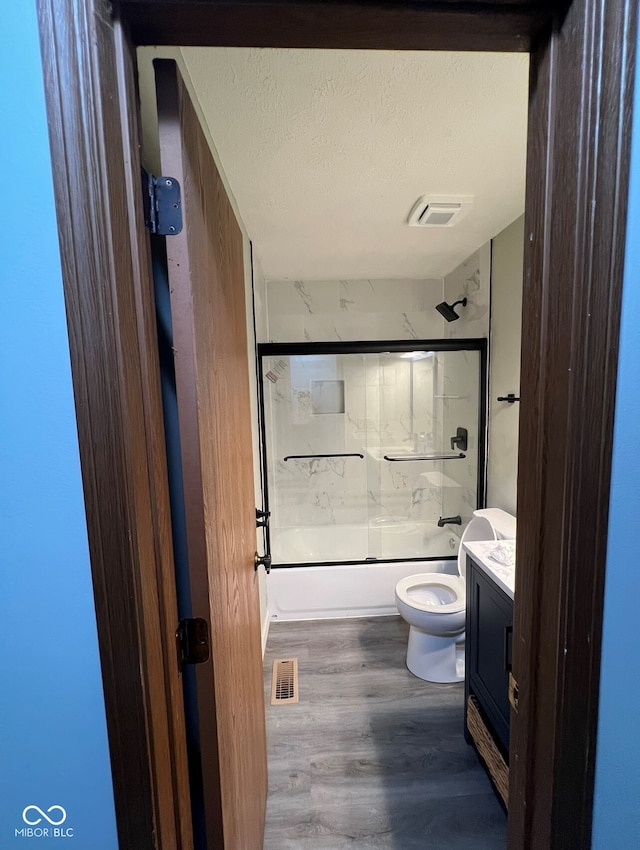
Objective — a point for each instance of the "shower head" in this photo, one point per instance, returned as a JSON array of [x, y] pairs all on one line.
[[447, 310]]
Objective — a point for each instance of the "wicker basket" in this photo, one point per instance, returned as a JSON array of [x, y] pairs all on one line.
[[487, 748]]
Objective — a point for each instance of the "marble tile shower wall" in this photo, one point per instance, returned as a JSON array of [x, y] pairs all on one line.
[[470, 280], [400, 406], [353, 310], [352, 491], [315, 491]]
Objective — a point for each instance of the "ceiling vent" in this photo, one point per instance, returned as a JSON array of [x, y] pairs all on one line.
[[440, 210]]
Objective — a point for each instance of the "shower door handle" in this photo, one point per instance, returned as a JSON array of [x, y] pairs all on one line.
[[407, 458], [315, 457]]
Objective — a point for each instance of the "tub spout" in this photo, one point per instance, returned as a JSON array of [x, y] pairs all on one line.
[[449, 520]]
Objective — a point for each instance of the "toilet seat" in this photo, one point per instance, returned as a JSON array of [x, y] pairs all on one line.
[[434, 605], [429, 581]]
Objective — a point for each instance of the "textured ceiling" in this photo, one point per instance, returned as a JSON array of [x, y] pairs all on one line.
[[326, 152]]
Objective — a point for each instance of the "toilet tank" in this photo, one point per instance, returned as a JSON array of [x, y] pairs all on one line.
[[503, 523]]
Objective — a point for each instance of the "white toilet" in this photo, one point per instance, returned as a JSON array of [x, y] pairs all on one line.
[[434, 605]]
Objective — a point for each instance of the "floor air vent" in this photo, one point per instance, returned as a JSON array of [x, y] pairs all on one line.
[[284, 682]]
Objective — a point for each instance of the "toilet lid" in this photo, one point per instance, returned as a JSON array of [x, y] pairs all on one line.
[[478, 529], [433, 592]]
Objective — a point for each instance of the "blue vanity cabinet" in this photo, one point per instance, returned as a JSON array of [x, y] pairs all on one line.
[[488, 652]]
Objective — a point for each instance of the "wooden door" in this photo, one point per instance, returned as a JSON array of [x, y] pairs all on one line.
[[206, 279]]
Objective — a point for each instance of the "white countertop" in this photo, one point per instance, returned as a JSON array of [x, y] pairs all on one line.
[[504, 576]]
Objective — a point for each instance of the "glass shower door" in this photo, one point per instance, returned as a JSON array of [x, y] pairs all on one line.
[[371, 456], [315, 415], [423, 470]]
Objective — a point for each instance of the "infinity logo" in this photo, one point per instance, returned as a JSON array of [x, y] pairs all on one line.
[[45, 815]]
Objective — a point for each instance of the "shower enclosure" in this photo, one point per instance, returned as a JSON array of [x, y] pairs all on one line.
[[372, 451]]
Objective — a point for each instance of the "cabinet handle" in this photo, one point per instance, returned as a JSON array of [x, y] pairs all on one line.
[[508, 646]]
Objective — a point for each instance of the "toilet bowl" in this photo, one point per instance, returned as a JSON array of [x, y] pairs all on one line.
[[434, 605]]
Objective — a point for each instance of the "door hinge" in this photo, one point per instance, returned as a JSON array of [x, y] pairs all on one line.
[[192, 640], [162, 204], [513, 693]]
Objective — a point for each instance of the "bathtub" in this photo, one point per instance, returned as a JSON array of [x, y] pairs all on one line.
[[352, 590]]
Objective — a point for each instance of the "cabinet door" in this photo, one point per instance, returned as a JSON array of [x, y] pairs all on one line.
[[491, 619]]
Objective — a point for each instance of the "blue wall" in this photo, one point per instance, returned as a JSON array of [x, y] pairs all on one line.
[[617, 793], [53, 744]]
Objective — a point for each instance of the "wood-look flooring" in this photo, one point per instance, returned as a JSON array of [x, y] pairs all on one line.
[[371, 757]]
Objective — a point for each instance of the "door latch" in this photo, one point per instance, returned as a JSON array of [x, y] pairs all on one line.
[[513, 693], [263, 560], [192, 641]]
